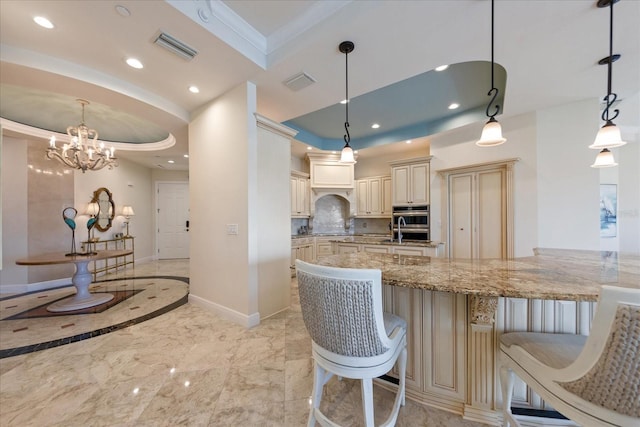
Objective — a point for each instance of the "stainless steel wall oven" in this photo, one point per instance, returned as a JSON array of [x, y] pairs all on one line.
[[411, 222]]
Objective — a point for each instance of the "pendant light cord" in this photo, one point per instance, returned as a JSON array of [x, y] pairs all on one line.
[[347, 137], [494, 90], [611, 97]]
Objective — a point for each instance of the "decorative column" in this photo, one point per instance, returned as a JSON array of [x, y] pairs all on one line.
[[481, 360]]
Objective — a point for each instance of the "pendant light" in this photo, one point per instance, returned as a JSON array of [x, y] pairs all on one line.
[[346, 156], [609, 135], [492, 131]]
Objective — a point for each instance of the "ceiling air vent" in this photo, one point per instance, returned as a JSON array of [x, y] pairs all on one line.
[[176, 46], [299, 81]]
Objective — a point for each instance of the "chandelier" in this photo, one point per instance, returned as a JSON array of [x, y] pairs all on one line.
[[346, 156], [492, 131], [83, 151], [609, 135]]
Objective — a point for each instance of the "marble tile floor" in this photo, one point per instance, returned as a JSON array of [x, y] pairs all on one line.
[[186, 367]]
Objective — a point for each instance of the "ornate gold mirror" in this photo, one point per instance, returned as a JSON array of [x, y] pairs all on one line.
[[104, 199]]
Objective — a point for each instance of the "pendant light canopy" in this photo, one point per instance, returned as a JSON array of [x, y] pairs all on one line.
[[492, 131], [346, 156], [609, 135]]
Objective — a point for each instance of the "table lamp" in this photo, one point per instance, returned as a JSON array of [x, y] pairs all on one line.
[[127, 212]]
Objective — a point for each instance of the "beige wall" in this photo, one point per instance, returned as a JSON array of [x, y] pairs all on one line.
[[274, 246], [33, 200], [220, 152]]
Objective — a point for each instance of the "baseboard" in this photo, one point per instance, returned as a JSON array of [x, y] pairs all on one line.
[[248, 321], [35, 287]]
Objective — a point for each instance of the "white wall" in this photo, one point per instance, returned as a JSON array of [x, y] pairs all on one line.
[[274, 246], [220, 153], [457, 148], [568, 198], [13, 181], [129, 184], [379, 165]]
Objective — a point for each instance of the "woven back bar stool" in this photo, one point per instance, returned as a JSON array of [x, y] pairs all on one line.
[[351, 336], [594, 380]]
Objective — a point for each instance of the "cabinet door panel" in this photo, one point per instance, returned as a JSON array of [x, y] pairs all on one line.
[[419, 188], [386, 197], [375, 190], [362, 204], [400, 186]]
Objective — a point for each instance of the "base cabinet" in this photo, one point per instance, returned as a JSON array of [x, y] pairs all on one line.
[[452, 347], [302, 249]]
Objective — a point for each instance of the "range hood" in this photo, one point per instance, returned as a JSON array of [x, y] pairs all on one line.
[[329, 176]]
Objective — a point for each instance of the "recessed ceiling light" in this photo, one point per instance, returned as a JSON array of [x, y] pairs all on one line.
[[309, 148], [186, 156], [344, 101], [334, 152], [408, 141], [355, 152], [453, 106], [171, 161], [375, 126], [442, 68], [135, 63], [194, 89], [123, 11], [43, 22]]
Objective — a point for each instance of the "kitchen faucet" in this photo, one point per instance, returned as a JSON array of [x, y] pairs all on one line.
[[401, 221]]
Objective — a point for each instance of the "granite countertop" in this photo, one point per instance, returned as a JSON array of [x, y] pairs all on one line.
[[384, 240], [554, 274], [370, 239]]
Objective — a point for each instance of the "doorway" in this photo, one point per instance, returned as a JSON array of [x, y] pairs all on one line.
[[173, 220], [478, 204]]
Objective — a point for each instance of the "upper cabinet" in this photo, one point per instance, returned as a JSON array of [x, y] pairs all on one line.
[[373, 197], [410, 182], [328, 173], [300, 200]]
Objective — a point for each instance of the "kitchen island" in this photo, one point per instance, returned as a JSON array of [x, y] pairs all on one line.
[[456, 310]]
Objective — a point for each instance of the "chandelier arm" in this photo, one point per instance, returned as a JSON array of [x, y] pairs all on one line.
[[611, 97], [495, 92], [347, 136]]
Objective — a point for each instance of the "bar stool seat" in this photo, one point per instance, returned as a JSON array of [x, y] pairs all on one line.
[[594, 380]]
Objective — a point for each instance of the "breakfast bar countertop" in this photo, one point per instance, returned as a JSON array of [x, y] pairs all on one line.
[[556, 274]]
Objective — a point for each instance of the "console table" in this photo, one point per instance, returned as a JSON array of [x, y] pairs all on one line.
[[81, 277], [125, 243]]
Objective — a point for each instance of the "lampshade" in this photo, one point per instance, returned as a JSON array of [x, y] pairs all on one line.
[[604, 160], [93, 209], [127, 211], [608, 137], [491, 134], [346, 156]]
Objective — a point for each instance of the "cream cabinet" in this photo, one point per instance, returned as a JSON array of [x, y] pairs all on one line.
[[300, 200], [410, 182], [373, 197], [302, 249], [324, 246]]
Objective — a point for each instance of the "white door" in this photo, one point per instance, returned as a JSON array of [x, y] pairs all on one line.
[[477, 212], [173, 220], [461, 193]]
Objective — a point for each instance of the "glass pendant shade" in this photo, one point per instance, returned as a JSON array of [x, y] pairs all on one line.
[[604, 160], [491, 134], [346, 156], [608, 137]]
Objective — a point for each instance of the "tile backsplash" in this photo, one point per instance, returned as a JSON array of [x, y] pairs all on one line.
[[332, 217]]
